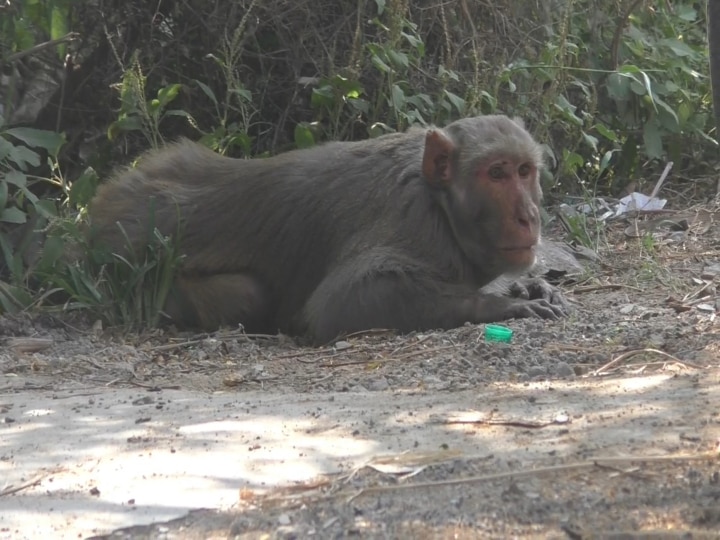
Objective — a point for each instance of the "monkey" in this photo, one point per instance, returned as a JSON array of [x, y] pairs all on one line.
[[401, 231]]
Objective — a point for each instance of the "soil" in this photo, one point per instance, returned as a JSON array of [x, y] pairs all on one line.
[[602, 425]]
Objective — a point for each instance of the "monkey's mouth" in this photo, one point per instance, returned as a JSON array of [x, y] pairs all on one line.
[[518, 249], [519, 256]]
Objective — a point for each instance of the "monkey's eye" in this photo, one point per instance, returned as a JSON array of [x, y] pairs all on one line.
[[524, 169], [496, 172]]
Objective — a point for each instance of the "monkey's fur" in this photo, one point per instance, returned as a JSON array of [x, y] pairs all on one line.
[[397, 232]]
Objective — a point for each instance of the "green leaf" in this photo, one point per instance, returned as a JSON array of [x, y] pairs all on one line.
[[12, 298], [400, 59], [16, 178], [323, 96], [303, 136], [7, 253], [442, 72], [564, 105], [637, 88], [378, 63], [686, 12], [414, 42], [639, 79], [243, 93], [590, 140], [180, 112], [24, 157], [684, 112], [52, 251], [668, 117], [59, 25], [457, 101], [572, 161], [652, 139], [29, 195], [242, 140], [618, 87], [422, 102], [38, 138], [491, 100], [568, 110], [359, 105], [46, 208], [24, 35], [124, 124], [207, 91], [398, 98], [379, 128], [380, 6], [349, 88], [605, 132], [6, 148], [12, 215], [168, 94], [678, 47], [3, 195], [605, 161]]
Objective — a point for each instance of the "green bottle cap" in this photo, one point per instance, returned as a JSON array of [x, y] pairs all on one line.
[[495, 332]]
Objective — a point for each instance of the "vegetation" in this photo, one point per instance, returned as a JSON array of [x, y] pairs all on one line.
[[614, 90]]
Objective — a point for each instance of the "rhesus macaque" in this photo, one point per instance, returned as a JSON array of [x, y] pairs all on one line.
[[395, 232]]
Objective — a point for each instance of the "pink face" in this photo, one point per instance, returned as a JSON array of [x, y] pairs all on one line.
[[510, 187]]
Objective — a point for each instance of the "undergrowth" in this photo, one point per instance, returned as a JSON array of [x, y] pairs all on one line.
[[613, 90]]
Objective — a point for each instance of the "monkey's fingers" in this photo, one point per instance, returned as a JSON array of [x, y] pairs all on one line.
[[558, 299], [537, 309], [555, 297], [519, 289], [547, 310], [539, 289]]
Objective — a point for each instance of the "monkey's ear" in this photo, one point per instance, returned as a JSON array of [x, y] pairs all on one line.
[[436, 165]]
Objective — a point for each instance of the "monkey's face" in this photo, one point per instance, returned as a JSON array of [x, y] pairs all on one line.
[[499, 204]]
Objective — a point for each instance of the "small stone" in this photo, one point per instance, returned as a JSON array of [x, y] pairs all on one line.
[[711, 271], [431, 379], [563, 369], [342, 345], [536, 371], [377, 384], [627, 308], [283, 519]]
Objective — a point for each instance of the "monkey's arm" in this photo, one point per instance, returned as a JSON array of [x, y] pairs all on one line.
[[382, 290]]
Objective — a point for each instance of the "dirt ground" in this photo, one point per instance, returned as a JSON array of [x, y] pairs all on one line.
[[602, 425]]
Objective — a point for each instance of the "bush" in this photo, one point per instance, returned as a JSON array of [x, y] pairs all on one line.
[[613, 89]]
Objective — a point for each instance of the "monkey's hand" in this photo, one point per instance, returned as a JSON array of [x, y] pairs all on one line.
[[539, 289], [492, 308]]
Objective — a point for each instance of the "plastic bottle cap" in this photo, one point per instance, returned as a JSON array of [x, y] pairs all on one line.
[[495, 332]]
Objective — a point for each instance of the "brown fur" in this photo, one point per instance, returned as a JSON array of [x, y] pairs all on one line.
[[396, 232]]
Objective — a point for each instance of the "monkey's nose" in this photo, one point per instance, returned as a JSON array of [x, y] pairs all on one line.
[[527, 217]]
